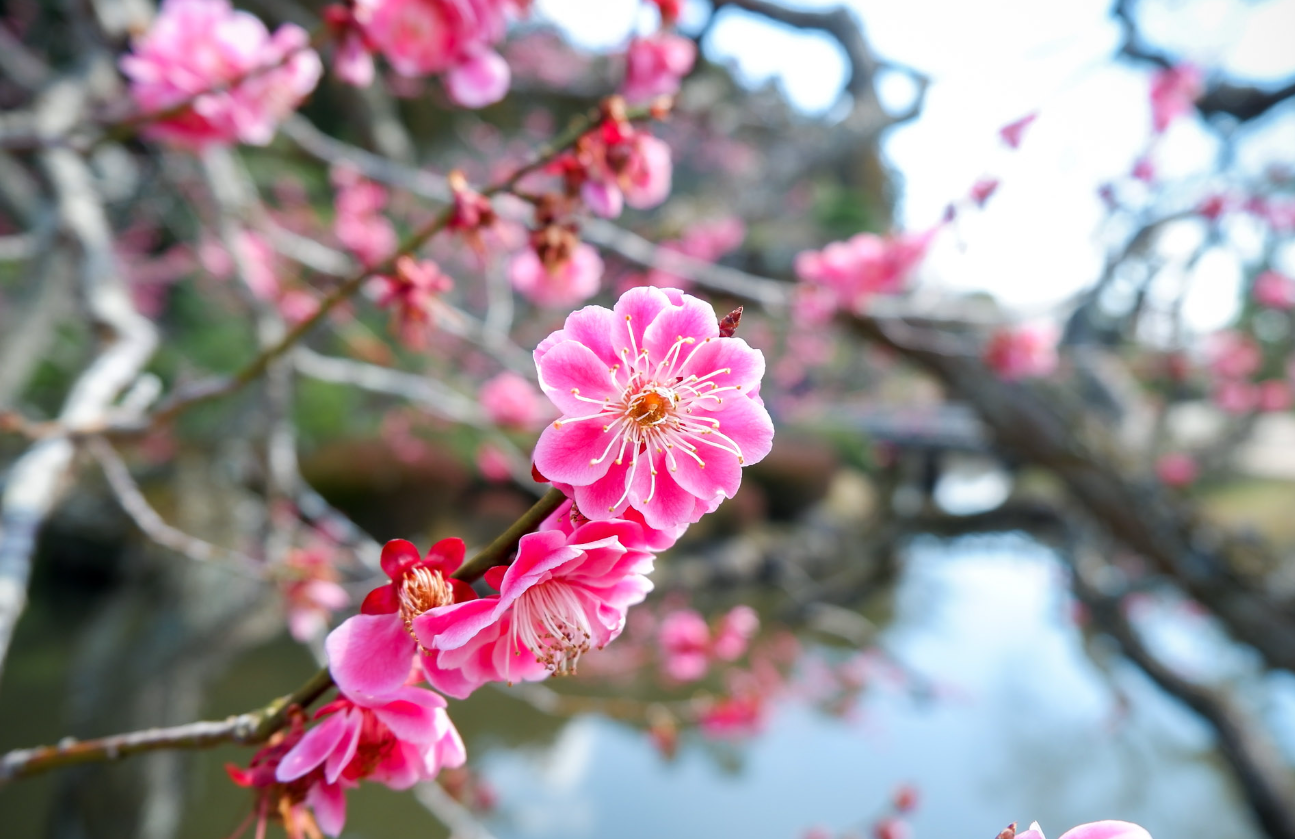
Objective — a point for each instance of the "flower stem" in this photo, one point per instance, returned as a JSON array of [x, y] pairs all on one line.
[[496, 553]]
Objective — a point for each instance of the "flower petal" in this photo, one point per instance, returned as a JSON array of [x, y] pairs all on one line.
[[567, 451], [692, 318], [570, 371], [398, 556], [1107, 830], [313, 748], [370, 654], [328, 801]]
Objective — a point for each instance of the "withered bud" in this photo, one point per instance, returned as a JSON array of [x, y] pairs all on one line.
[[729, 323], [1009, 832]]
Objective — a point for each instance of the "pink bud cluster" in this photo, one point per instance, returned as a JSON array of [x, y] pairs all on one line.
[[1022, 352]]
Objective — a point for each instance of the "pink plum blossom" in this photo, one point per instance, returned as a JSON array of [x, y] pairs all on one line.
[[655, 65], [493, 464], [1274, 395], [1177, 469], [1274, 290], [372, 653], [982, 190], [494, 654], [413, 295], [659, 413], [684, 639], [1093, 830], [863, 266], [1233, 355], [511, 401], [622, 165], [360, 225], [231, 79], [312, 593], [1236, 397], [561, 284], [450, 37], [397, 740], [736, 629], [1174, 91], [306, 805], [567, 518], [1022, 352], [1014, 132], [564, 595]]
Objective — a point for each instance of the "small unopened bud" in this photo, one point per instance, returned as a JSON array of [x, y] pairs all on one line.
[[1009, 832], [729, 323]]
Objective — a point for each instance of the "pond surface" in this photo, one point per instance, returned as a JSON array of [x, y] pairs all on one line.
[[1026, 723]]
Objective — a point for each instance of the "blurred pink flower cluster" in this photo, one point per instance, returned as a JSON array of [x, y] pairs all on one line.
[[451, 38], [863, 266], [688, 645], [222, 72]]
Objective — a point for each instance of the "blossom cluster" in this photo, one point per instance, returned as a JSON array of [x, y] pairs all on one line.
[[660, 410]]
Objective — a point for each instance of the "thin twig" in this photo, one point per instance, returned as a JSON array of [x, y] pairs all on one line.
[[148, 520]]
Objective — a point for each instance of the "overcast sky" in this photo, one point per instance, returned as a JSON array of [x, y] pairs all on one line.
[[991, 62]]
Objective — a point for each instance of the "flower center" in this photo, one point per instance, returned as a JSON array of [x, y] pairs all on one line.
[[550, 622], [649, 414], [650, 408], [422, 589]]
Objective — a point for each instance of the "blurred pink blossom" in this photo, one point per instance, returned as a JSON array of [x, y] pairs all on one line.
[[565, 284], [735, 631], [1022, 352], [1274, 395], [1233, 355], [413, 295], [360, 225], [1274, 290], [231, 79], [450, 37], [493, 464], [655, 65], [864, 265], [1014, 132], [1176, 469], [1236, 397], [1174, 91], [511, 401], [1093, 830], [684, 641]]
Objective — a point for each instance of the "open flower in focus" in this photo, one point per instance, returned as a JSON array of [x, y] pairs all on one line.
[[372, 653], [568, 518], [564, 595], [228, 78], [659, 413], [306, 805], [398, 740]]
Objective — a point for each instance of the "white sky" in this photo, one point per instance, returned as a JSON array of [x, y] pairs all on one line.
[[991, 62]]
